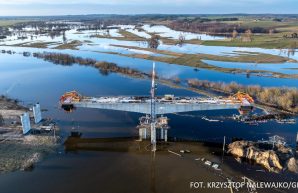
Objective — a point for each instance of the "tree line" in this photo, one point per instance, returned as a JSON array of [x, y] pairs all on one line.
[[281, 98], [105, 68], [4, 32], [214, 27]]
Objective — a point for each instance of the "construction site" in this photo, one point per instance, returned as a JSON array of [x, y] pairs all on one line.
[[25, 137], [154, 124]]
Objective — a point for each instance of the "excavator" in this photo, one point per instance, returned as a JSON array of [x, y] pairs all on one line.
[[243, 96], [67, 99], [246, 101]]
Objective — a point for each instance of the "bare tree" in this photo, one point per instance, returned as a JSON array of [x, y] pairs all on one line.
[[234, 34], [292, 49], [153, 42], [64, 37], [181, 39], [1, 120], [282, 98], [271, 31], [247, 37]]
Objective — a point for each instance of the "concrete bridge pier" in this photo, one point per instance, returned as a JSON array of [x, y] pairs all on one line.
[[153, 136], [162, 133], [143, 133]]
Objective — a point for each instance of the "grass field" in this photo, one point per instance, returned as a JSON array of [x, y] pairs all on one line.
[[273, 41], [5, 22], [249, 57], [34, 44], [195, 60], [71, 45], [127, 36], [261, 41]]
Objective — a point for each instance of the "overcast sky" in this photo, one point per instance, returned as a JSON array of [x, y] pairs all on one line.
[[76, 7]]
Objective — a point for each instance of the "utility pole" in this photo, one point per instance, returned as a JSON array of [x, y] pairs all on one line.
[[223, 147], [153, 113], [297, 144], [274, 139]]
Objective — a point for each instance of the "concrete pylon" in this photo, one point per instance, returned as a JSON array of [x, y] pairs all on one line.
[[37, 113], [161, 133], [25, 120], [153, 136]]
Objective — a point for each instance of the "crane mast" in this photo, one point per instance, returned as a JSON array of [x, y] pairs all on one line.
[[153, 112]]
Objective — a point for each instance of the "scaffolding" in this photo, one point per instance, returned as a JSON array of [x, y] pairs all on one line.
[[161, 127]]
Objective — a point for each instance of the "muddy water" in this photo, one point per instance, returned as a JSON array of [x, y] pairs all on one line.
[[93, 171]]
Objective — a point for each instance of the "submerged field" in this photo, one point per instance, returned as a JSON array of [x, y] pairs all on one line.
[[39, 62], [132, 41]]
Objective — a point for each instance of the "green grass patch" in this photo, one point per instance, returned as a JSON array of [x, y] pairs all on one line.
[[34, 44], [195, 60], [71, 45], [127, 36], [275, 41], [8, 22]]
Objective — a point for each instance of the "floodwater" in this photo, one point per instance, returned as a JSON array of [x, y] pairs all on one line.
[[106, 44], [164, 31], [171, 70], [284, 68], [33, 80]]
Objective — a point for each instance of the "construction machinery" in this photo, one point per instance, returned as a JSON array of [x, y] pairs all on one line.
[[241, 96], [245, 99], [68, 99]]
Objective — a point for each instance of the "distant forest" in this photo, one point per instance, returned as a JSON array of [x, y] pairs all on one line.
[[200, 23]]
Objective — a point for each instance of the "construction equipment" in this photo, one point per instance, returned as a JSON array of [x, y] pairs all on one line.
[[245, 99], [68, 99], [242, 96]]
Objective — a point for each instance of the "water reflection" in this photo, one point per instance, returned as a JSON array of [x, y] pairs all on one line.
[[284, 68], [33, 80]]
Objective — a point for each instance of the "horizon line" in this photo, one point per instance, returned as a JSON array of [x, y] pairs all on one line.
[[136, 14]]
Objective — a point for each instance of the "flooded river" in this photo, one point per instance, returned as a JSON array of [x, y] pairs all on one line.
[[33, 80]]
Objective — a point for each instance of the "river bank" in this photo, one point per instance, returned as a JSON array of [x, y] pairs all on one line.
[[18, 151], [283, 101], [138, 169]]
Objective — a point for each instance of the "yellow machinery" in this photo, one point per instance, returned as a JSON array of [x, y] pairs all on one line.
[[241, 96], [67, 100], [245, 99], [70, 97]]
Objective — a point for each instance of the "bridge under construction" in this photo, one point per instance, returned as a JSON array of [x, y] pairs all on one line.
[[153, 105]]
